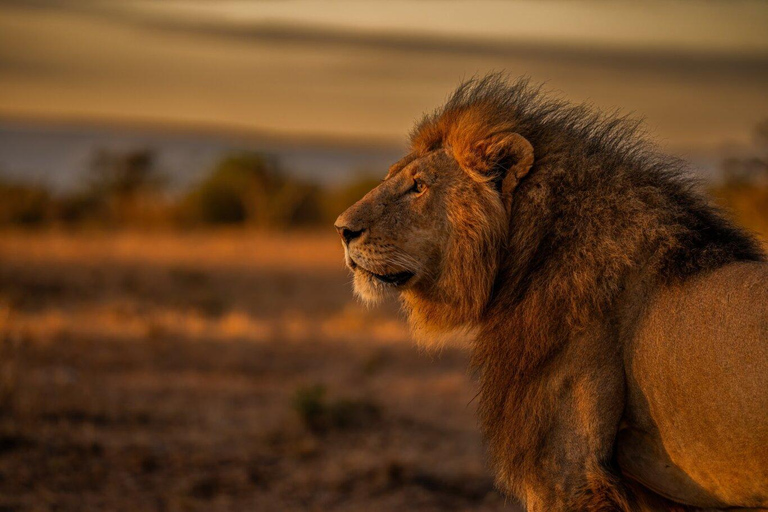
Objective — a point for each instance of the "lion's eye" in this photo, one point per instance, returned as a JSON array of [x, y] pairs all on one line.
[[418, 187]]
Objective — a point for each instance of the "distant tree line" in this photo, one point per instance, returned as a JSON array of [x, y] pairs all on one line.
[[127, 189]]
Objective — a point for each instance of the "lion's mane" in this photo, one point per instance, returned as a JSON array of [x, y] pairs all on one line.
[[600, 211]]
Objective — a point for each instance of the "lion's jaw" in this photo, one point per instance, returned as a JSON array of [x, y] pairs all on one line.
[[437, 249]]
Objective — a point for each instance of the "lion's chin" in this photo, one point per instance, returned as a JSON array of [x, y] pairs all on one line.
[[372, 288]]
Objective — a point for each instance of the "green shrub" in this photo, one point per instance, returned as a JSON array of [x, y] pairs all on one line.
[[310, 404], [319, 415]]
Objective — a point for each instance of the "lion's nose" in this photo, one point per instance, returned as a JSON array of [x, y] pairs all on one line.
[[348, 234]]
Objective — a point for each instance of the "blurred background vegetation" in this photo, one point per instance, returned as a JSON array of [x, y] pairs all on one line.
[[128, 189]]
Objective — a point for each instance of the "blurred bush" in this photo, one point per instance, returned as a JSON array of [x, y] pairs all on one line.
[[118, 189], [25, 205], [249, 188], [253, 189], [122, 188], [12, 347], [319, 414]]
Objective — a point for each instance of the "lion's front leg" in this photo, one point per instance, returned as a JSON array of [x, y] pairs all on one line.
[[578, 408], [592, 489], [570, 479]]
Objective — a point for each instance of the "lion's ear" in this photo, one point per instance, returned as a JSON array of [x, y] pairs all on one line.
[[504, 158]]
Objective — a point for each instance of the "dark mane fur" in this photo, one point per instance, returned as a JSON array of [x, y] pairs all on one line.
[[591, 167], [600, 211]]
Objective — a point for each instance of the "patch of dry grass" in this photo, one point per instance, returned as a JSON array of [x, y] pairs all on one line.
[[162, 371]]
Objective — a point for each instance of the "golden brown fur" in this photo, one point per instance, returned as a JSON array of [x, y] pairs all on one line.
[[543, 227]]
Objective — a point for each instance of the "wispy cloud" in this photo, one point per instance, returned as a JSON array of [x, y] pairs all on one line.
[[367, 68]]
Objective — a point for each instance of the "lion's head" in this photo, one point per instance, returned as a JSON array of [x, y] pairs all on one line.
[[433, 230], [556, 274]]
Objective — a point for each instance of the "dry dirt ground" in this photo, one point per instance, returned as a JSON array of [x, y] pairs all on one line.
[[220, 371]]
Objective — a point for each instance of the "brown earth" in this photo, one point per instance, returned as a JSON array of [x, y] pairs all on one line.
[[220, 371]]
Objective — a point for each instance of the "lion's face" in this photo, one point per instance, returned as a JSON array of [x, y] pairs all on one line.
[[395, 237]]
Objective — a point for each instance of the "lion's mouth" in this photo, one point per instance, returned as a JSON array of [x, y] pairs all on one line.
[[395, 279], [398, 279]]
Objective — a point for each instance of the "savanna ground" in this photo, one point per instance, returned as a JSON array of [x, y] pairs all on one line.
[[220, 371]]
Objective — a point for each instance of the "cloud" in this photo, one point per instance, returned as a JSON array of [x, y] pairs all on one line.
[[143, 61]]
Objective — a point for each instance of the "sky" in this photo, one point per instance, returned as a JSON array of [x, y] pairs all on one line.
[[697, 72]]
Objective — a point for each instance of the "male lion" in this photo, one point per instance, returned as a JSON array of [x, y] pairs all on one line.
[[620, 319]]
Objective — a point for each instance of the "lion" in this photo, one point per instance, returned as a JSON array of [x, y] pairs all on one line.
[[619, 318]]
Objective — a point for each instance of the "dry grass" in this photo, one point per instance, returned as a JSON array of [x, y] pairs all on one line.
[[220, 371]]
